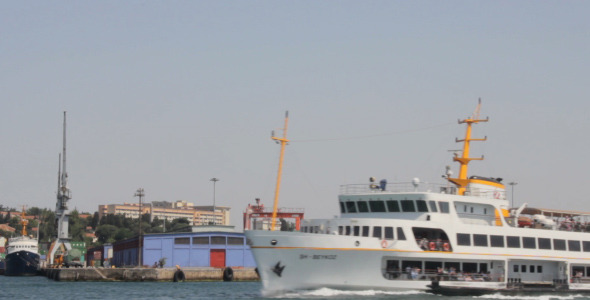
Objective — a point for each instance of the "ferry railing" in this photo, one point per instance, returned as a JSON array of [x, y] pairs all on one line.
[[398, 187]]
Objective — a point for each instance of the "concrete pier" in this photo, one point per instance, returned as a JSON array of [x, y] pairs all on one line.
[[145, 274]]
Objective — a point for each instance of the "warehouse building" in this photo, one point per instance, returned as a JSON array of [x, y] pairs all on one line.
[[215, 248]]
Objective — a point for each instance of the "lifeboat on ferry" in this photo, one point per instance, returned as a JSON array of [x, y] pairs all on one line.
[[525, 222]]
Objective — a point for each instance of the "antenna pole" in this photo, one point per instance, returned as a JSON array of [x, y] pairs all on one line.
[[283, 141]]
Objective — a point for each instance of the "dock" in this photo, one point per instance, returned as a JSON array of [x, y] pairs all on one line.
[[151, 274]]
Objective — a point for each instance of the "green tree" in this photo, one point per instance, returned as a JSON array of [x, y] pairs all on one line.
[[94, 221], [106, 233], [179, 225], [34, 211], [123, 233]]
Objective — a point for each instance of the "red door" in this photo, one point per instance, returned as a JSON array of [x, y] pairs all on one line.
[[217, 257]]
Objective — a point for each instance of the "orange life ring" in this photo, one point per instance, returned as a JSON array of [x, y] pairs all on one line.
[[497, 195], [384, 244], [446, 247], [432, 246]]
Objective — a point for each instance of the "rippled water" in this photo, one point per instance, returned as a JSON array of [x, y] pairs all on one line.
[[43, 288]]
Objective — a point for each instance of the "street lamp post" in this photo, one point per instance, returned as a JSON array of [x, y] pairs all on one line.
[[513, 184], [215, 180], [139, 193]]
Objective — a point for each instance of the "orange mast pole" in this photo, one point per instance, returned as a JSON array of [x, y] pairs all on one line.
[[461, 181], [283, 141], [24, 222]]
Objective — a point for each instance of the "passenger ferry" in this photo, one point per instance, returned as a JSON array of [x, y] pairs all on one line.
[[457, 238]]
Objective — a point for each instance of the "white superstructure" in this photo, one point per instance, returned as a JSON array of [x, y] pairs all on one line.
[[404, 236]]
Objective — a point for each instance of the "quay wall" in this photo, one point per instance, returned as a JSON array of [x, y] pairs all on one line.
[[147, 274]]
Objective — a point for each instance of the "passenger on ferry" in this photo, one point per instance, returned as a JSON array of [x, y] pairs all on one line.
[[452, 274], [415, 272], [439, 245], [424, 243], [577, 276], [372, 184]]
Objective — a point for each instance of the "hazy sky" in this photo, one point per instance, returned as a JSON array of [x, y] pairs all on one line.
[[165, 95]]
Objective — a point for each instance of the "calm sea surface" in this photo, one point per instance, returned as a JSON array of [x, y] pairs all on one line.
[[43, 288]]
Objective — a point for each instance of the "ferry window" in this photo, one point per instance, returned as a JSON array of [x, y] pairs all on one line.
[[559, 244], [444, 207], [523, 268], [515, 269], [389, 233], [363, 207], [422, 207], [483, 268], [357, 230], [400, 234], [201, 240], [513, 241], [531, 269], [377, 206], [408, 206], [350, 206], [586, 246], [573, 245], [463, 239], [377, 232], [539, 269], [485, 211], [409, 264], [497, 241], [464, 208], [393, 206], [347, 230], [342, 208], [432, 266], [469, 267], [480, 240], [471, 209], [432, 206], [365, 230], [182, 241], [529, 243], [340, 230], [544, 243]]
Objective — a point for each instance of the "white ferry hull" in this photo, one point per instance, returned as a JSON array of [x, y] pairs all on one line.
[[300, 261]]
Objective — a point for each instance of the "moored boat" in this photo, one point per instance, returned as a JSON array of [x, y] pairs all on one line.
[[22, 254], [459, 237]]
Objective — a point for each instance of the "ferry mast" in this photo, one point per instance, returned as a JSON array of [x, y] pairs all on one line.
[[283, 141], [61, 208], [462, 181]]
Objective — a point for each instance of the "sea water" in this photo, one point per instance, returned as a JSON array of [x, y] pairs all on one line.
[[42, 288]]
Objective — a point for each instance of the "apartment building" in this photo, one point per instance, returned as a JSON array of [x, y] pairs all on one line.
[[196, 215]]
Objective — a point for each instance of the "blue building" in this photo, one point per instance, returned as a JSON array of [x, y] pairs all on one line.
[[187, 249]]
